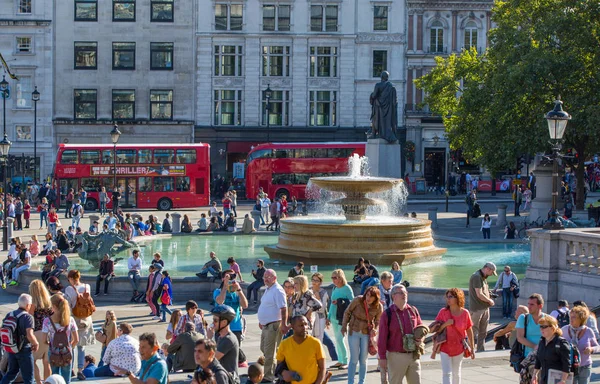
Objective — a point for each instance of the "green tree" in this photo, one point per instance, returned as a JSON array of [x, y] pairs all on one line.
[[493, 103]]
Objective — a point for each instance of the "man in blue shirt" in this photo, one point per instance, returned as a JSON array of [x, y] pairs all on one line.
[[154, 369], [230, 293], [535, 303]]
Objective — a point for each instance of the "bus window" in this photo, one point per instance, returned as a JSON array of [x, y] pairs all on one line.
[[263, 153], [107, 183], [302, 178], [163, 184], [90, 157], [69, 157], [284, 153], [91, 184], [319, 153], [284, 178], [183, 184], [303, 153], [186, 156], [145, 184], [164, 156], [145, 156], [107, 156], [126, 156]]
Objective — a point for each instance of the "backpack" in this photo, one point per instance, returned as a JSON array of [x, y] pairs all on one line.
[[51, 194], [60, 348], [84, 307], [75, 210], [574, 356], [517, 351], [10, 339], [563, 318]]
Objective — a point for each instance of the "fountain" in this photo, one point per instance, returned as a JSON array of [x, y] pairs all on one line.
[[341, 240]]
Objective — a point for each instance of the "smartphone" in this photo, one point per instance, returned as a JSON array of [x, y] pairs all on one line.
[[232, 276]]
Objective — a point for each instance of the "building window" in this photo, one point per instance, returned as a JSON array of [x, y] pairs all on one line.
[[379, 62], [228, 17], [228, 60], [161, 105], [161, 56], [24, 45], [323, 108], [123, 10], [471, 35], [279, 106], [23, 132], [276, 17], [86, 10], [86, 55], [437, 37], [380, 18], [85, 104], [24, 7], [323, 61], [23, 92], [123, 104], [276, 61], [123, 56], [162, 10], [228, 107], [323, 18]]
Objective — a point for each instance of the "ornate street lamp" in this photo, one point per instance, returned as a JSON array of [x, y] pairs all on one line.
[[4, 149], [557, 124], [35, 96], [268, 93], [114, 136], [4, 90]]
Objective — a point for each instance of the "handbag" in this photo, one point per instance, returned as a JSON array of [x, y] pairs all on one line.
[[517, 352], [100, 337], [372, 333], [165, 298]]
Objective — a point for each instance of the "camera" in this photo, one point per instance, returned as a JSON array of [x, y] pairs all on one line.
[[232, 276], [493, 295]]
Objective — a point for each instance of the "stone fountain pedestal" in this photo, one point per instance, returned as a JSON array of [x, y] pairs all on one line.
[[384, 158]]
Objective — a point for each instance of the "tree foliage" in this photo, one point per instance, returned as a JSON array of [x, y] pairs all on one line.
[[493, 103]]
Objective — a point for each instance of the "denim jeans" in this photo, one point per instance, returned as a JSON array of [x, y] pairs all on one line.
[[164, 309], [101, 362], [75, 221], [254, 287], [106, 282], [80, 356], [584, 375], [103, 208], [205, 271], [507, 301], [367, 283], [44, 218], [359, 348], [103, 371], [330, 346], [21, 361], [486, 232], [134, 279], [65, 371], [16, 271], [52, 229]]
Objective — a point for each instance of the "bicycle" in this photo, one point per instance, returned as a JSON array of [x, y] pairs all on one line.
[[537, 223]]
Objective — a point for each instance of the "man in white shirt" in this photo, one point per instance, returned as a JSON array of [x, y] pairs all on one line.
[[121, 354], [23, 265], [508, 282], [134, 265], [111, 221], [265, 203], [271, 312]]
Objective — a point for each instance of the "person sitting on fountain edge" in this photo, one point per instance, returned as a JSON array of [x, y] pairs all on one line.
[[213, 266]]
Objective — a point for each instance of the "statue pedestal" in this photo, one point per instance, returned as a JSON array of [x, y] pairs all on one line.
[[384, 158]]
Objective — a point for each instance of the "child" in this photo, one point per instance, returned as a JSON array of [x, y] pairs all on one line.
[[256, 371], [34, 246]]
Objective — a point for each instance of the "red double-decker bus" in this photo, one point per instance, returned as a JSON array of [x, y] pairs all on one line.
[[284, 168], [161, 176]]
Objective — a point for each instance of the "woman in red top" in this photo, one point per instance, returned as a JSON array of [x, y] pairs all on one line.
[[458, 325], [27, 212], [53, 219]]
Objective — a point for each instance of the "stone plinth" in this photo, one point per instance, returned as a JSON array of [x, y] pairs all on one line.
[[432, 216], [501, 219], [256, 216], [176, 222], [543, 200], [95, 218], [384, 158], [9, 228]]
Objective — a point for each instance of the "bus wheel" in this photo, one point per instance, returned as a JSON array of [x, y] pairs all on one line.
[[281, 192], [165, 204], [91, 205]]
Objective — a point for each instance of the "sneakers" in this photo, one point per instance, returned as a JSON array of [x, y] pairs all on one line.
[[3, 285], [13, 283], [80, 376], [243, 364], [156, 318]]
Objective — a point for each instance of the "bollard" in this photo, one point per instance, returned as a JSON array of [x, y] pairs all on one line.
[[176, 222], [9, 229], [432, 216], [92, 219], [256, 217], [501, 219]]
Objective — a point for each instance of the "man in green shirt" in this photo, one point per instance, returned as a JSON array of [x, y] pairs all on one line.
[[480, 302]]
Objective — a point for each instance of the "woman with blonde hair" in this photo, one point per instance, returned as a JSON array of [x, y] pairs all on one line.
[[61, 319], [582, 337], [108, 333], [321, 315], [304, 301], [43, 210], [553, 352], [34, 246], [341, 296], [41, 308], [396, 272]]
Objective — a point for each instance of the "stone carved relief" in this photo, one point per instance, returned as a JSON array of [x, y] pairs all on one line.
[[228, 82], [276, 82], [378, 38], [324, 83]]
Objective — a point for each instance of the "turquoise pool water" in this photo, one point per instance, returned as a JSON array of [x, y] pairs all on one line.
[[185, 255]]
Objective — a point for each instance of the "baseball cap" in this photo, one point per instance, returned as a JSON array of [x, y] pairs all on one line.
[[491, 266]]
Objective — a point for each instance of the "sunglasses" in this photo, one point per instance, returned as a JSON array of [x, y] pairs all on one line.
[[450, 297], [316, 280], [544, 326], [334, 277]]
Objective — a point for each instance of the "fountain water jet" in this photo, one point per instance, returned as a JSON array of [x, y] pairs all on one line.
[[335, 240]]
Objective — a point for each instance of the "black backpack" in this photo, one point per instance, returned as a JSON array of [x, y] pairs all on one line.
[[563, 318]]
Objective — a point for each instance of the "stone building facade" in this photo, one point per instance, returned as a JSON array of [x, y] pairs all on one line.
[[436, 28], [321, 60], [26, 31], [126, 62]]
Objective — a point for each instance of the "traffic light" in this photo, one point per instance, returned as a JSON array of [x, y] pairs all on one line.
[[521, 162]]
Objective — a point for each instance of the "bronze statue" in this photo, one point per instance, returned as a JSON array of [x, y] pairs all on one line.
[[384, 110]]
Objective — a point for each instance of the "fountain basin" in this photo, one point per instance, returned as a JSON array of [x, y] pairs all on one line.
[[337, 241], [362, 185]]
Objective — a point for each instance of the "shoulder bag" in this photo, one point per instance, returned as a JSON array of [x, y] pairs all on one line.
[[517, 352], [372, 333]]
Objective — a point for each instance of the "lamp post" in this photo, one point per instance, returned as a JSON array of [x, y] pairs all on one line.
[[557, 123], [114, 136], [4, 89], [4, 148], [268, 92], [35, 96]]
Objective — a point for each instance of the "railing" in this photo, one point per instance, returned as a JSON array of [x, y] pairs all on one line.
[[583, 255]]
